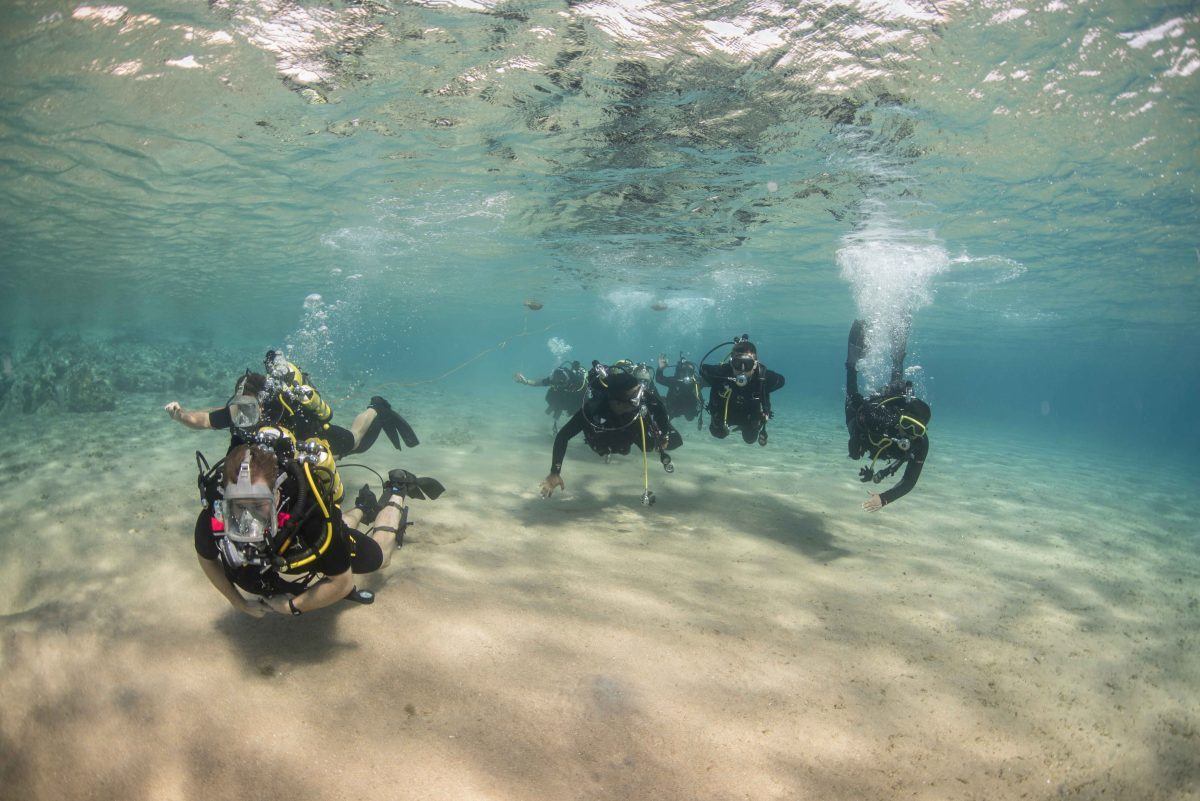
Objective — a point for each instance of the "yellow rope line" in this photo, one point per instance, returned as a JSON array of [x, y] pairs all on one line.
[[498, 346]]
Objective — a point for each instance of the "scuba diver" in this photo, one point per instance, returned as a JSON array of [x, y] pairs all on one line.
[[619, 412], [683, 389], [271, 526], [891, 424], [284, 396], [741, 392], [567, 386]]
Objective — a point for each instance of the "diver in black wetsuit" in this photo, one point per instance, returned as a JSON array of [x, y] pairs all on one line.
[[567, 386], [683, 389], [741, 393], [619, 413], [890, 424], [284, 396]]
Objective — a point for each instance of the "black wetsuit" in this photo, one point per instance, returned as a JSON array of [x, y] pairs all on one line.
[[869, 421], [565, 390], [747, 408], [683, 394], [617, 432]]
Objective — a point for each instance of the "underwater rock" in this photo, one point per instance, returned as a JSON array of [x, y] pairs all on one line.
[[63, 372], [84, 391], [532, 305], [658, 306]]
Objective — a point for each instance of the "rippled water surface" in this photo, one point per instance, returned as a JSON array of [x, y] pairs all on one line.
[[1011, 172]]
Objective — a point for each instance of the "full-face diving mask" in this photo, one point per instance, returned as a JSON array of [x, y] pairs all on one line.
[[244, 410], [248, 509]]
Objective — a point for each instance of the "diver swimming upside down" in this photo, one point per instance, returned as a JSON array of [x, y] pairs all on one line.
[[890, 425]]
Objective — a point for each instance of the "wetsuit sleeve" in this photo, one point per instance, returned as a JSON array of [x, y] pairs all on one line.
[[573, 427], [206, 543], [660, 376], [711, 374], [912, 471], [220, 418], [773, 381], [851, 380], [545, 382]]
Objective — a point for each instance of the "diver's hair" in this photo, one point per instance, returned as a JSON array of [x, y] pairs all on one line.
[[745, 346], [263, 465], [250, 384]]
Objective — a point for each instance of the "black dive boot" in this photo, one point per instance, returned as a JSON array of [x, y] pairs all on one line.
[[368, 503]]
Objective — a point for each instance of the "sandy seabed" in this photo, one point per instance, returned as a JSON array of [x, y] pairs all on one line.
[[1024, 626]]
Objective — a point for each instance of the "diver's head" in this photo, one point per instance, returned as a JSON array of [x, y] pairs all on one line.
[[685, 369], [624, 393], [245, 405], [743, 360], [250, 495]]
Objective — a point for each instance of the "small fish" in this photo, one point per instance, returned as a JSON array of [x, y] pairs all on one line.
[[659, 306], [532, 304]]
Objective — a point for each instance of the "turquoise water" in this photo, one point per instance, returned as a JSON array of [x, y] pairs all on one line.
[[378, 187], [1022, 178]]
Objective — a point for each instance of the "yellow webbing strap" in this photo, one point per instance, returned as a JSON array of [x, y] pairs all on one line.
[[645, 459]]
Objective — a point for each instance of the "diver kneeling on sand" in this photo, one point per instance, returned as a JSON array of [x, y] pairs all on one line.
[[620, 412], [891, 424], [285, 396], [271, 526], [741, 392], [566, 387]]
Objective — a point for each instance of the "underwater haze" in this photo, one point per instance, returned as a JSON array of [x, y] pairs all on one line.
[[418, 200]]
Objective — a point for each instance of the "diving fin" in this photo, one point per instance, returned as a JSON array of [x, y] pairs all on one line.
[[402, 482], [395, 426], [856, 345]]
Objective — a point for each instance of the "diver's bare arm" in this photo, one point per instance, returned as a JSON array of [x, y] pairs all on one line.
[[326, 593], [192, 418], [216, 576]]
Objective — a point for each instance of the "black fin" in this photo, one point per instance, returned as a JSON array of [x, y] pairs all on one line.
[[857, 343], [431, 487], [399, 424]]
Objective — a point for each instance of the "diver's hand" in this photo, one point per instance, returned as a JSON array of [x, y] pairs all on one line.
[[520, 379], [662, 360], [552, 481], [874, 503], [278, 604], [174, 410]]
